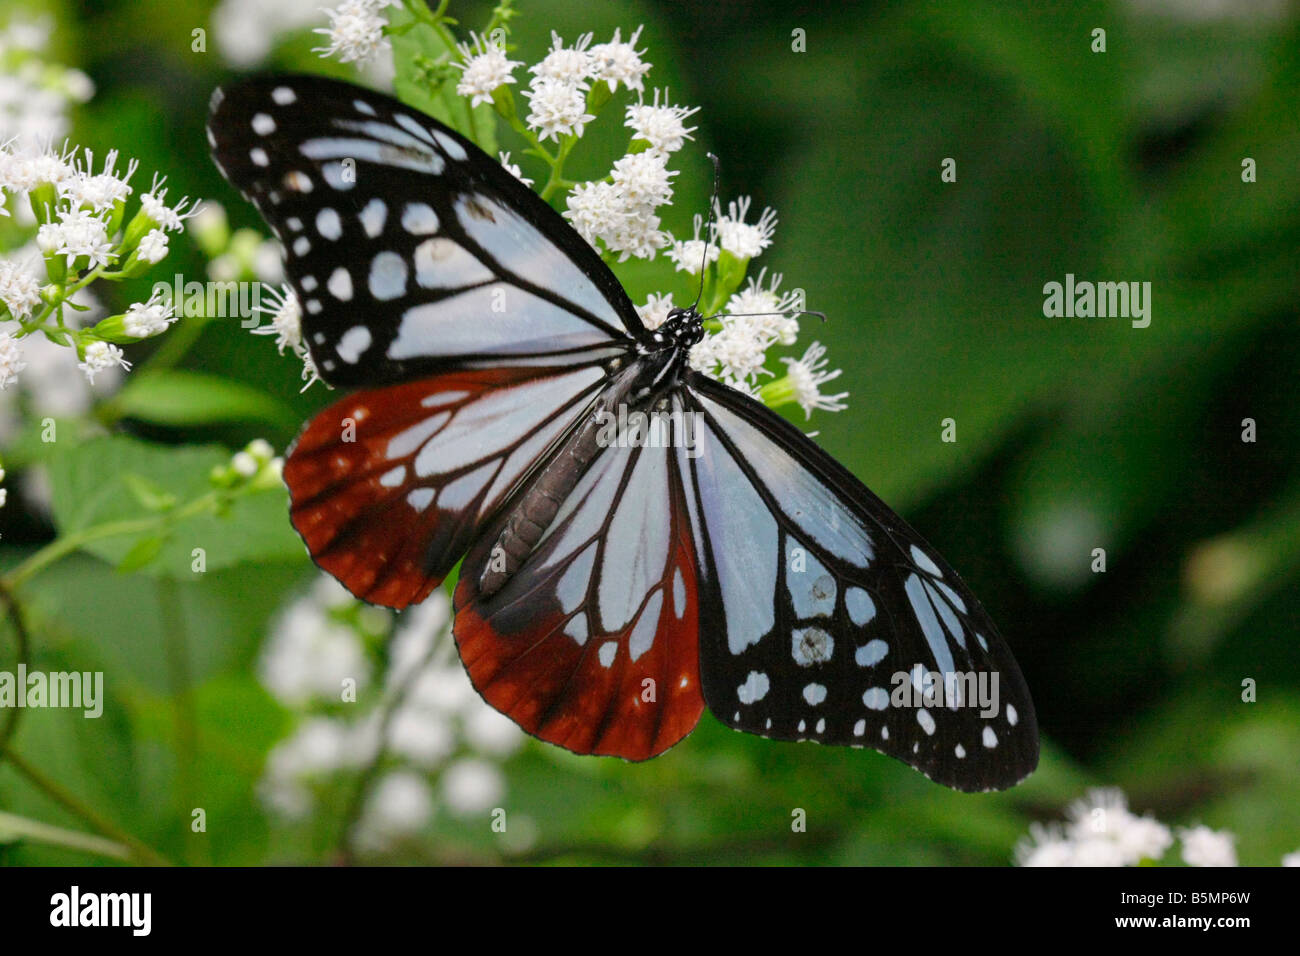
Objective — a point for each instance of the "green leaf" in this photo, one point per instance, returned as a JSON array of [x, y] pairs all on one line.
[[141, 553], [414, 50], [90, 487], [177, 397]]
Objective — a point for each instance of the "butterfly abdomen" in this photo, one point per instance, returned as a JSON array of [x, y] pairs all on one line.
[[534, 512]]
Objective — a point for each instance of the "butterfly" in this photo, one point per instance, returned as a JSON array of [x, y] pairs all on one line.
[[616, 579]]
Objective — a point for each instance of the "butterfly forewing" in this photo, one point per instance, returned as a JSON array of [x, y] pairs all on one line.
[[826, 618], [410, 249]]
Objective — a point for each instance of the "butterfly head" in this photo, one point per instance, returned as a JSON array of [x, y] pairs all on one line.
[[682, 329]]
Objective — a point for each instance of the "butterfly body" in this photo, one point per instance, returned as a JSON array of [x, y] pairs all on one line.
[[639, 541]]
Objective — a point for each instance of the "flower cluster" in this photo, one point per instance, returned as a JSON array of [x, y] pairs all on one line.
[[620, 213], [83, 233], [412, 716], [356, 31], [1102, 831]]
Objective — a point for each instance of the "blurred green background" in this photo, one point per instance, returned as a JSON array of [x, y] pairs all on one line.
[[1072, 433]]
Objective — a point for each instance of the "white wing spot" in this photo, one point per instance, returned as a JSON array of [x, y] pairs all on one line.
[[308, 283], [452, 148], [876, 698], [297, 181], [313, 306], [925, 720], [821, 726], [328, 223], [811, 645], [754, 689], [373, 216], [803, 726], [960, 751], [679, 592], [394, 477], [884, 733], [263, 125], [283, 96], [871, 653], [258, 155], [354, 341], [607, 652], [340, 284], [387, 276], [859, 728], [814, 694], [925, 562], [294, 224], [420, 498], [990, 738], [577, 629], [334, 175], [1012, 716], [419, 219], [362, 106], [301, 246]]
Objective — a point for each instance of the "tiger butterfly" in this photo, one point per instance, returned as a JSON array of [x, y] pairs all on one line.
[[610, 590]]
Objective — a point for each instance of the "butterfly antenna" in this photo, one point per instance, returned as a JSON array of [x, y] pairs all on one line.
[[708, 229], [746, 315]]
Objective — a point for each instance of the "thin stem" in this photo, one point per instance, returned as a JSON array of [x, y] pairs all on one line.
[[46, 833], [14, 610], [140, 851]]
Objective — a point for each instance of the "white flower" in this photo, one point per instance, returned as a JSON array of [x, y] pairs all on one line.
[[1045, 846], [1291, 859], [154, 203], [400, 805], [1103, 814], [153, 247], [513, 169], [11, 359], [309, 654], [655, 311], [20, 290], [99, 191], [618, 62], [244, 464], [486, 68], [247, 30], [77, 233], [472, 786], [23, 172], [572, 66], [644, 179], [491, 732], [596, 209], [1205, 847], [556, 108], [660, 126], [101, 356], [144, 319], [421, 736], [286, 319], [770, 311], [356, 31], [689, 254], [807, 375], [4, 497], [744, 240]]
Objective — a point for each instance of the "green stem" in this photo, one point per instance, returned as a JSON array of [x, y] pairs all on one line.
[[38, 832], [140, 852]]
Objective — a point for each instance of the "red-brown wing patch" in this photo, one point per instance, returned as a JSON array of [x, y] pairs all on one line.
[[389, 487], [540, 650]]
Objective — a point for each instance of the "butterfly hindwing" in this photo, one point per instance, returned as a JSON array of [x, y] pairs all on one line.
[[408, 247], [818, 602], [592, 643], [390, 486]]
